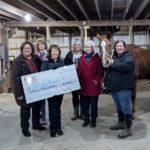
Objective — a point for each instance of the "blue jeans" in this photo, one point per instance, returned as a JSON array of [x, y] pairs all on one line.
[[122, 100]]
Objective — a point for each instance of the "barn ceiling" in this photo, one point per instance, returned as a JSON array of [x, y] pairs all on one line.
[[79, 10]]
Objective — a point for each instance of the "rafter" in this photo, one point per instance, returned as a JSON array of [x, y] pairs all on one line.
[[112, 9], [50, 9], [7, 14], [148, 15], [4, 18], [128, 4], [36, 10], [64, 5], [82, 9], [14, 10], [98, 8], [140, 8]]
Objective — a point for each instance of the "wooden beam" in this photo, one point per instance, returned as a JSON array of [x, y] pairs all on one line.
[[128, 4], [77, 23], [64, 5], [7, 14], [112, 9], [147, 16], [82, 9], [4, 18], [50, 9], [14, 10], [36, 10], [98, 8], [140, 8]]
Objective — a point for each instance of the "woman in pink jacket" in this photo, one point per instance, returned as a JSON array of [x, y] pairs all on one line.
[[90, 73]]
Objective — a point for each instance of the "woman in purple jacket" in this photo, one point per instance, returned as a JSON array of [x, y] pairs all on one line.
[[90, 73]]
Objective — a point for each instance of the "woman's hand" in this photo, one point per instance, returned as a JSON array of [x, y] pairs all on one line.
[[112, 61], [95, 82]]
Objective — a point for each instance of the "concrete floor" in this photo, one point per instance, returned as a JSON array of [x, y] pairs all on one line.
[[76, 137]]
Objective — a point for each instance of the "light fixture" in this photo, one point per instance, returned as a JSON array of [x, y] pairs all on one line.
[[27, 17]]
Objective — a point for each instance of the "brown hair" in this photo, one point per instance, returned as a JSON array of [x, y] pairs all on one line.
[[40, 42], [50, 51], [27, 42], [120, 41]]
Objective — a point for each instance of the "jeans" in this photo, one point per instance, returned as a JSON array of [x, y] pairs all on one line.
[[122, 100]]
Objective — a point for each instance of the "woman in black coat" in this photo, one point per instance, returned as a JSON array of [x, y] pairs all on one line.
[[54, 103], [73, 57], [120, 81], [26, 63]]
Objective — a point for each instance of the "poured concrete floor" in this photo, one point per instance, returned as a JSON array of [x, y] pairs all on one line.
[[76, 137]]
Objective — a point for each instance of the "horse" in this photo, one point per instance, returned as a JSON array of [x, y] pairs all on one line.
[[141, 59]]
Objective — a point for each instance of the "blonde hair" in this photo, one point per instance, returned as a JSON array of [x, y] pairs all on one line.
[[40, 42]]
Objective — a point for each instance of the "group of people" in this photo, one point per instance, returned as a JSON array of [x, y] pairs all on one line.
[[85, 101]]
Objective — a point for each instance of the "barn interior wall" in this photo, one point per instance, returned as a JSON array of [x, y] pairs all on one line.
[[62, 39]]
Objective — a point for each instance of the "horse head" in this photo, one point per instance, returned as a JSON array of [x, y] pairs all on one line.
[[106, 52]]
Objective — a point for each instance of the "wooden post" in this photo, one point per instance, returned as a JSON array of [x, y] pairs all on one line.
[[70, 41], [48, 36], [131, 36], [82, 35], [85, 31], [148, 38]]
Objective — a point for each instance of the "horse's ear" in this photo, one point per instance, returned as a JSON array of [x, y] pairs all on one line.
[[108, 35]]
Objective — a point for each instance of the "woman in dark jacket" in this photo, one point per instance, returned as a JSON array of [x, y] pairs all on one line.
[[26, 63], [90, 74], [120, 81], [73, 57], [54, 103]]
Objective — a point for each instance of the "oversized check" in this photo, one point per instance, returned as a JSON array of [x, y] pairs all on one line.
[[41, 85]]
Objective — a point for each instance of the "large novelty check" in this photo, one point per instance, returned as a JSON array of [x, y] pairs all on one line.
[[41, 85]]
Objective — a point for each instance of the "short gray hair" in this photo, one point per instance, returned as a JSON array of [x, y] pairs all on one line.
[[77, 42], [90, 43]]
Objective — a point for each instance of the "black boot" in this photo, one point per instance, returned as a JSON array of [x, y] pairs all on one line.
[[59, 132], [121, 122], [86, 122], [26, 133], [53, 133], [93, 123], [76, 113], [127, 131]]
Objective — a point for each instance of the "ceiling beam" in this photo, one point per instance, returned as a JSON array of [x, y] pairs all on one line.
[[112, 9], [50, 9], [63, 5], [98, 8], [148, 15], [82, 9], [7, 14], [14, 10], [140, 8], [128, 4], [36, 10], [4, 18], [77, 23]]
